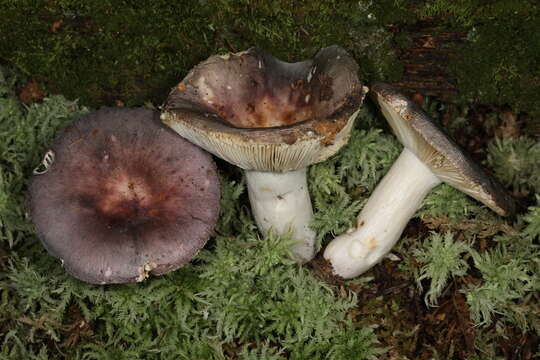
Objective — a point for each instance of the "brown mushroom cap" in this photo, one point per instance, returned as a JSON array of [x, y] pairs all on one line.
[[125, 196], [417, 132], [264, 114]]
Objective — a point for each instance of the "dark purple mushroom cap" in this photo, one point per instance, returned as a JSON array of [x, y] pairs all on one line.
[[418, 133], [260, 113], [124, 197]]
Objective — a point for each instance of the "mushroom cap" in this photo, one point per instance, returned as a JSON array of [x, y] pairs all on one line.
[[263, 114], [124, 197], [418, 133]]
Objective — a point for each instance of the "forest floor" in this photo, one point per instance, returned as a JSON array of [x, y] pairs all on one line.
[[461, 284]]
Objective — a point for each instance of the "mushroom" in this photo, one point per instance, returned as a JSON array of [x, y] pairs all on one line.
[[273, 119], [119, 196], [429, 157]]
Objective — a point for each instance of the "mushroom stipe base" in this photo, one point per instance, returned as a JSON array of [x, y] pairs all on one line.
[[382, 220], [273, 119], [429, 157], [280, 201]]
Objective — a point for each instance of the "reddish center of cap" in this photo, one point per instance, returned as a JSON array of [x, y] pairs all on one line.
[[123, 194], [130, 199], [251, 92], [267, 111]]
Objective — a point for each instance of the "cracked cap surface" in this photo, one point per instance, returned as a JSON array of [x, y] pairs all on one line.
[[417, 132], [124, 197]]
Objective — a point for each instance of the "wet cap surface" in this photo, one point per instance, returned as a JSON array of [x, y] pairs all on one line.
[[417, 132], [124, 197]]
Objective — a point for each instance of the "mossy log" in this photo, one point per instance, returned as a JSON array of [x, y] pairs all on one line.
[[426, 60]]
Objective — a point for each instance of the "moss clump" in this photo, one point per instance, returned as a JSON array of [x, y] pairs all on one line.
[[340, 185], [516, 162], [103, 52], [240, 299], [24, 134], [444, 259], [498, 64]]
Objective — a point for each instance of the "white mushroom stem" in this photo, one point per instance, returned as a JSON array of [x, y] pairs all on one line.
[[382, 220], [281, 201]]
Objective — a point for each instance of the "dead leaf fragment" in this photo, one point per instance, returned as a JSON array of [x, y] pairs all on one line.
[[31, 93], [56, 26]]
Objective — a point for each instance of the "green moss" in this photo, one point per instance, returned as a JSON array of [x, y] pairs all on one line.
[[107, 51], [446, 201], [243, 297], [340, 185], [516, 162], [24, 135], [498, 64], [104, 51], [471, 12], [507, 294], [442, 259]]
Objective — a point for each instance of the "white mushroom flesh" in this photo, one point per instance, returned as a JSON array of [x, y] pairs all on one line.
[[280, 201], [382, 220]]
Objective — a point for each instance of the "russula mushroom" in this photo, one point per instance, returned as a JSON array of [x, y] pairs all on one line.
[[120, 196], [273, 119], [429, 157]]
